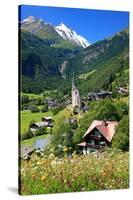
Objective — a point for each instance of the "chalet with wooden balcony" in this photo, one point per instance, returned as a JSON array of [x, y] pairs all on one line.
[[98, 136]]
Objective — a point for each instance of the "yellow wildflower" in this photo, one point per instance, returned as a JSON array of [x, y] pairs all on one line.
[[43, 177], [65, 149]]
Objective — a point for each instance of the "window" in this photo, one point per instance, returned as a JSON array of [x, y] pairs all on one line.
[[92, 142], [97, 133], [102, 143]]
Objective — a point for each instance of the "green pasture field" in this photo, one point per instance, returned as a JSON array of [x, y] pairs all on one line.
[[26, 117], [32, 95]]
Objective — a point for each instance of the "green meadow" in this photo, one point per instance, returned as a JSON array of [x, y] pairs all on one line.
[[32, 95], [26, 117]]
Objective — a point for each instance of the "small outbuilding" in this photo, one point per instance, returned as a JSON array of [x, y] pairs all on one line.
[[36, 125]]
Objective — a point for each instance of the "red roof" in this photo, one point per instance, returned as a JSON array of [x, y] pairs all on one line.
[[106, 128]]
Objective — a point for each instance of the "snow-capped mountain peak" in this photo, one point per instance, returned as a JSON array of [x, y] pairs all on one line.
[[30, 19], [68, 34], [34, 24]]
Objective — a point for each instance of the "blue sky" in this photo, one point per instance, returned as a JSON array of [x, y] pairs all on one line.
[[94, 25]]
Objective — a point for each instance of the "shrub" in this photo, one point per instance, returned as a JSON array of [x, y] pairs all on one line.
[[56, 110], [27, 135], [39, 101], [121, 138], [40, 131], [25, 99], [34, 109], [74, 125], [122, 109], [64, 137], [107, 110], [44, 108]]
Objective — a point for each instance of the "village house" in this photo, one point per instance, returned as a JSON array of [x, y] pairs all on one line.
[[99, 95], [98, 135], [34, 126], [48, 120], [103, 94], [51, 102], [122, 90], [85, 108], [91, 96]]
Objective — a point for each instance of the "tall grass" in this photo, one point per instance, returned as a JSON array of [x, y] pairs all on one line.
[[78, 173]]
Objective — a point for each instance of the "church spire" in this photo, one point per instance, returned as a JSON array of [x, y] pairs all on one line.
[[73, 85], [75, 95]]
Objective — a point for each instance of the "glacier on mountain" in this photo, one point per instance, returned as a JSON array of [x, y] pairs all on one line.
[[68, 34]]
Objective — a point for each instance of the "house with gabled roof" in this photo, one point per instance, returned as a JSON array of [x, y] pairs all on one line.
[[26, 151], [48, 120], [98, 135], [36, 125], [99, 95]]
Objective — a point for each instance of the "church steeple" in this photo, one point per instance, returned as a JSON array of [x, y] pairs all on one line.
[[73, 85], [75, 95]]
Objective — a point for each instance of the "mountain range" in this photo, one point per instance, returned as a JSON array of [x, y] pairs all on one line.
[[50, 54], [57, 34]]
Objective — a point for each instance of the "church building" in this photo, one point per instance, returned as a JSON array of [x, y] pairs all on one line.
[[76, 101]]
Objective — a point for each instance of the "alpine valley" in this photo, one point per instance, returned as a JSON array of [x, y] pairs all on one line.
[[50, 54], [73, 109]]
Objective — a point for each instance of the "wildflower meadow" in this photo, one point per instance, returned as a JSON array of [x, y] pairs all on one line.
[[50, 174]]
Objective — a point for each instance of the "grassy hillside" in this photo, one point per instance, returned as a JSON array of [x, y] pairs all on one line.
[[32, 95], [113, 73], [86, 75], [60, 118], [96, 55]]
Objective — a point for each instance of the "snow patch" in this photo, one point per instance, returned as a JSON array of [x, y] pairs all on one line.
[[30, 19], [68, 34]]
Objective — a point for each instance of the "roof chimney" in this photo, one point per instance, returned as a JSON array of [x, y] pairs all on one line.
[[105, 122]]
